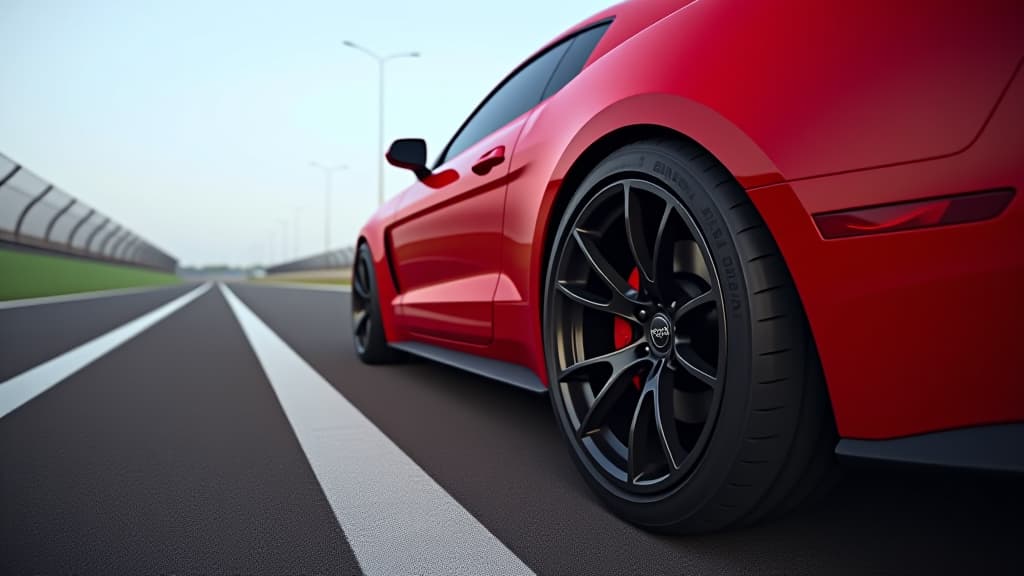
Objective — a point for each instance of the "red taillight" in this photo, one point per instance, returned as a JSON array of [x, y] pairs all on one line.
[[910, 215]]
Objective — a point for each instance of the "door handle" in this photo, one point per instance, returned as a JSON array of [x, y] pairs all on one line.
[[489, 160]]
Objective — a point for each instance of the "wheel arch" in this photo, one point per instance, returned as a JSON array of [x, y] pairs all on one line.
[[599, 131], [591, 156], [573, 168], [373, 237], [600, 149]]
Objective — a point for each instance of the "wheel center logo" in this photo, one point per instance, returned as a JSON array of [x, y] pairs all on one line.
[[660, 332]]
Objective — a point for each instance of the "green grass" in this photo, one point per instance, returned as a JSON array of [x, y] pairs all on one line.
[[29, 275]]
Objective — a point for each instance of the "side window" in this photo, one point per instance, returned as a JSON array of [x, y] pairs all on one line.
[[518, 94], [575, 57]]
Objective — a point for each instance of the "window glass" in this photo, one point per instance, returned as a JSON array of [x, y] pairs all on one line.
[[513, 98], [575, 57]]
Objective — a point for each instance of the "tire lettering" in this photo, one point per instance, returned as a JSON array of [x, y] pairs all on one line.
[[731, 283], [671, 175]]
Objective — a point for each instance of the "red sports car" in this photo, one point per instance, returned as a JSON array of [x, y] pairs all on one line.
[[731, 239]]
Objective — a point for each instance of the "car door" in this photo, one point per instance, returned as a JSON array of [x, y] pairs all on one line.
[[445, 243]]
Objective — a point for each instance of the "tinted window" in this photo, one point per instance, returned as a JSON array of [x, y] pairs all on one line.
[[517, 95], [582, 46]]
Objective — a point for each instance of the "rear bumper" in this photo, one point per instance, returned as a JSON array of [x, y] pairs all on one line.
[[919, 331], [996, 448]]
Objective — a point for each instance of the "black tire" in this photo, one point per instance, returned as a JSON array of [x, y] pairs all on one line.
[[751, 430], [368, 336]]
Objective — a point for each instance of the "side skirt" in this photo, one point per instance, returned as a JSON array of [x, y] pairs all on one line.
[[507, 372]]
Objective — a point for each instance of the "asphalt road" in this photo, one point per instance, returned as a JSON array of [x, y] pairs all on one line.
[[182, 450]]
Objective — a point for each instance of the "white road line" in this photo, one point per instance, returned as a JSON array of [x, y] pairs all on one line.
[[397, 520], [23, 302], [34, 381]]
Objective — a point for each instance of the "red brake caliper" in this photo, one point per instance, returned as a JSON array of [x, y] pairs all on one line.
[[624, 335]]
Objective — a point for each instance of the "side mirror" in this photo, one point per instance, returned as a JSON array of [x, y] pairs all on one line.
[[411, 154]]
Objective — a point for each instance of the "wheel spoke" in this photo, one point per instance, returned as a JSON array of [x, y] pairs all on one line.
[[361, 319], [601, 266], [696, 366], [659, 246], [622, 302], [606, 399], [660, 381], [639, 439], [694, 303], [617, 359], [359, 283], [578, 293], [637, 238]]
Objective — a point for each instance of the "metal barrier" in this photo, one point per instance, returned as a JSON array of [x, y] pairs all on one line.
[[34, 212], [342, 258]]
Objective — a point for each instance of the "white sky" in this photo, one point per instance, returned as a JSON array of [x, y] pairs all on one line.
[[194, 122]]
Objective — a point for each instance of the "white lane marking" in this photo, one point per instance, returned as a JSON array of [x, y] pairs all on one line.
[[23, 302], [305, 286], [34, 381], [396, 518]]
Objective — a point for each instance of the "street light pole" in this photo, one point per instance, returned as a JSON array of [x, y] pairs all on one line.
[[329, 181], [380, 133], [381, 60]]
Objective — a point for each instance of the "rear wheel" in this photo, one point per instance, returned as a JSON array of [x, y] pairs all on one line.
[[367, 329], [682, 371]]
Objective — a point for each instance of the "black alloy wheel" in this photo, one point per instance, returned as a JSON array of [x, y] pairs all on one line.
[[362, 299], [681, 369], [643, 410], [367, 329]]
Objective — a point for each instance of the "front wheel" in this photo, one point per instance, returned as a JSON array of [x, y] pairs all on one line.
[[682, 372]]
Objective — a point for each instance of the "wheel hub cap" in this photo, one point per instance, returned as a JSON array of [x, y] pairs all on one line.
[[660, 334]]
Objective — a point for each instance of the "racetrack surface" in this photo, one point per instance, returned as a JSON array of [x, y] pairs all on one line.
[[182, 451]]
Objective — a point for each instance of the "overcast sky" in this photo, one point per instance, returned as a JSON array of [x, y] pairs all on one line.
[[193, 122]]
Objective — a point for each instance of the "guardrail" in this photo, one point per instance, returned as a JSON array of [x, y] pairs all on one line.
[[34, 212], [341, 258]]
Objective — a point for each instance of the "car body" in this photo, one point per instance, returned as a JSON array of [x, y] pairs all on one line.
[[817, 110]]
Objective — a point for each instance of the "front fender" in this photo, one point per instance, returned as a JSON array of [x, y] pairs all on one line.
[[374, 235]]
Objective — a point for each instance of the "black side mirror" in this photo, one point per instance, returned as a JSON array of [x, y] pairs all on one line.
[[411, 154]]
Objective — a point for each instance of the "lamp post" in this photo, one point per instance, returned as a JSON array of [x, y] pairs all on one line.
[[328, 181], [381, 60]]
